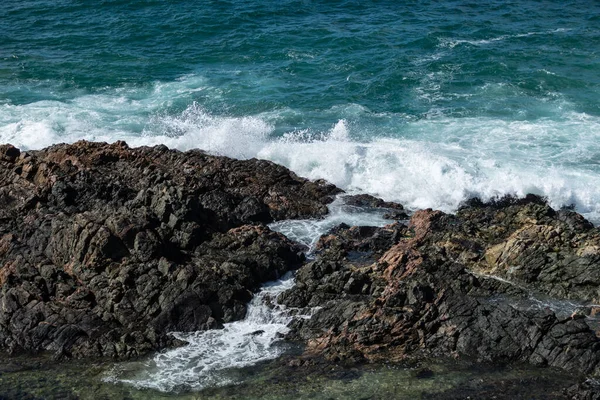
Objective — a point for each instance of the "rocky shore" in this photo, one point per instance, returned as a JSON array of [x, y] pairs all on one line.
[[446, 284], [105, 249]]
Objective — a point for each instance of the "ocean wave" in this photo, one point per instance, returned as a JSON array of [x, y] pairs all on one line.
[[435, 162]]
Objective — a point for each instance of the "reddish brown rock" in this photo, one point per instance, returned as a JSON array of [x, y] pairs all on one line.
[[428, 294]]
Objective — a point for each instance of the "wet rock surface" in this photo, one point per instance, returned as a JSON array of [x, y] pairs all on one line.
[[453, 285], [105, 249], [395, 211]]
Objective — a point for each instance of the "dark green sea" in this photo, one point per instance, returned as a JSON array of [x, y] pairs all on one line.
[[427, 103], [423, 102]]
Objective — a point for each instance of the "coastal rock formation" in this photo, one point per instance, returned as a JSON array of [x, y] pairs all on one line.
[[366, 202], [105, 249], [470, 284]]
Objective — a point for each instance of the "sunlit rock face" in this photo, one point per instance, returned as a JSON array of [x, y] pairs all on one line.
[[104, 249], [511, 280]]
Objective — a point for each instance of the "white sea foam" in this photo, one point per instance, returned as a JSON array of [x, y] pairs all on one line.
[[451, 43], [435, 162], [450, 160], [210, 357]]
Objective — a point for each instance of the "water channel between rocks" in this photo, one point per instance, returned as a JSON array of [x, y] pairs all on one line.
[[240, 360], [213, 358]]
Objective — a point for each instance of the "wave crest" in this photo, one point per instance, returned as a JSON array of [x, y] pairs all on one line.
[[435, 162]]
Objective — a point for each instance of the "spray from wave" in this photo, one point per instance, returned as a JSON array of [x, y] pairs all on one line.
[[435, 162]]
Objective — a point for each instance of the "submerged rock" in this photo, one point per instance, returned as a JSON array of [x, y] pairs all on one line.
[[368, 201], [449, 285], [105, 249]]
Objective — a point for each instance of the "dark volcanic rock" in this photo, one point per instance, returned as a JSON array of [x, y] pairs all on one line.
[[366, 201], [429, 290], [104, 249]]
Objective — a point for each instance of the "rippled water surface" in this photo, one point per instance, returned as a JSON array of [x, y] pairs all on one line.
[[440, 379], [426, 103]]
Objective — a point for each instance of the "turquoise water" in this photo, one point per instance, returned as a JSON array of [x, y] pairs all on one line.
[[426, 103]]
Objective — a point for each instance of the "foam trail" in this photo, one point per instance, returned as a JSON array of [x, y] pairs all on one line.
[[308, 231], [208, 358], [445, 42]]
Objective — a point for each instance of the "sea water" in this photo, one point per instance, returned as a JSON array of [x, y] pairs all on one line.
[[427, 103]]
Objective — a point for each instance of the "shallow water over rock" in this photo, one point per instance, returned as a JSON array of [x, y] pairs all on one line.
[[40, 378]]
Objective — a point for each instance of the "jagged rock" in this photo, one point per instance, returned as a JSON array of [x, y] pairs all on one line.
[[105, 249], [427, 289], [365, 201]]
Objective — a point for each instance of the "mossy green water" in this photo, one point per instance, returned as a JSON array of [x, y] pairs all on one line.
[[40, 378]]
